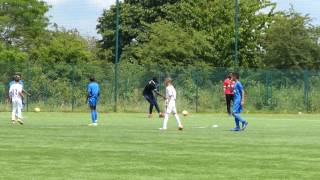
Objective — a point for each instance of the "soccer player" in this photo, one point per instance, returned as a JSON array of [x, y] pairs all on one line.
[[228, 86], [148, 91], [22, 83], [93, 98], [171, 96], [238, 103], [16, 94]]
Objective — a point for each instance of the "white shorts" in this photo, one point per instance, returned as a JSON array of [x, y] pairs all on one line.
[[17, 103], [171, 107]]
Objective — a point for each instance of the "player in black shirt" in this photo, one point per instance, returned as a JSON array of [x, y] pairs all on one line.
[[148, 94]]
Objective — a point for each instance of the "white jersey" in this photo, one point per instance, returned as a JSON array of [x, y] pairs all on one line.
[[171, 94], [15, 91]]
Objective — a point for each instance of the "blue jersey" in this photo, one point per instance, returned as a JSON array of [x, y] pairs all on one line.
[[238, 89], [93, 90]]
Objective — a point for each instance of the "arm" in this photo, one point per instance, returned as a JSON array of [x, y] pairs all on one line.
[[242, 97], [21, 94], [88, 94], [25, 92], [159, 94]]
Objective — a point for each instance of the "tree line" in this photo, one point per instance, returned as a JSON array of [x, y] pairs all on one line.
[[164, 33]]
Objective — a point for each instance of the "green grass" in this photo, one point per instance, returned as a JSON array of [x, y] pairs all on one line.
[[130, 146]]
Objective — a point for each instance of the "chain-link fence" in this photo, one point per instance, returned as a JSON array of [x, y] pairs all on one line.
[[199, 89]]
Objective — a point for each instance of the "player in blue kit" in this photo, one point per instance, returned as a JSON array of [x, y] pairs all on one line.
[[92, 99], [238, 103]]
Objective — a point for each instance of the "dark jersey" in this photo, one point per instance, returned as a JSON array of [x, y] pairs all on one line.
[[149, 88]]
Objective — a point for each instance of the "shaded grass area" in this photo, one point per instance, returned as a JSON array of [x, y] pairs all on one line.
[[130, 146]]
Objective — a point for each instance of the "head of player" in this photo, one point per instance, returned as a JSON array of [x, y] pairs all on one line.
[[16, 79], [235, 76], [229, 76], [168, 81]]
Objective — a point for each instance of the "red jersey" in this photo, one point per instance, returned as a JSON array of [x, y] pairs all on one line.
[[228, 86]]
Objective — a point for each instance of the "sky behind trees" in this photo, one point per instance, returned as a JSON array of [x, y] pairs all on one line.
[[83, 14]]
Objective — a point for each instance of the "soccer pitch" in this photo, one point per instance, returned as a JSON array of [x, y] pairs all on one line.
[[130, 146]]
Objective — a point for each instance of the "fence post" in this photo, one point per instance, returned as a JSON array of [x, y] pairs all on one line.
[[72, 88], [196, 78], [29, 84], [268, 91], [197, 97], [306, 90], [46, 94]]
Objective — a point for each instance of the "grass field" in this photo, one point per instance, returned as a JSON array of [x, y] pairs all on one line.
[[130, 146]]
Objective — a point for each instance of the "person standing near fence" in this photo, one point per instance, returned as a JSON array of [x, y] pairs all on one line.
[[171, 96], [92, 99], [228, 86], [148, 91], [16, 95], [238, 103]]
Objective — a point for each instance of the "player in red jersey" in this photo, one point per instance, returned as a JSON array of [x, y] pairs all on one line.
[[228, 86]]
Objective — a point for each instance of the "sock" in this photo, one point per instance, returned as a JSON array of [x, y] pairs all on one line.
[[178, 120], [157, 107], [95, 116], [165, 121], [150, 109], [237, 122], [92, 116], [240, 119]]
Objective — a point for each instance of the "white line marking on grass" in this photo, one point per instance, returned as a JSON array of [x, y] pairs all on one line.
[[199, 127]]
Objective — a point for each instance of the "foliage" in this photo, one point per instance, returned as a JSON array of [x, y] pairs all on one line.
[[189, 31], [292, 41], [21, 21]]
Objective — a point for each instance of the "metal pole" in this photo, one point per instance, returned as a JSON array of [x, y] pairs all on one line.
[[72, 88], [116, 79], [236, 31]]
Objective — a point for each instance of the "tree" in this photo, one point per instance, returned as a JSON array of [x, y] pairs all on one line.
[[21, 21], [166, 44], [214, 20], [291, 41]]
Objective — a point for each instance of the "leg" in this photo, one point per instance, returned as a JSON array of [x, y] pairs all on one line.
[[150, 104], [155, 103], [166, 117], [93, 114], [237, 122], [150, 108], [19, 112], [228, 101], [165, 121], [174, 110], [93, 106], [14, 111], [240, 119]]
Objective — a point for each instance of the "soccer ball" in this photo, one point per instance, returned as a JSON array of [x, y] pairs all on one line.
[[185, 113], [37, 109]]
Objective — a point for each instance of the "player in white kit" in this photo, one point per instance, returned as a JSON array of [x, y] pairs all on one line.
[[16, 95], [171, 96]]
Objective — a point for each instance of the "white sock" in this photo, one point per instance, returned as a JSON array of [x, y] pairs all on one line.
[[178, 120], [165, 121]]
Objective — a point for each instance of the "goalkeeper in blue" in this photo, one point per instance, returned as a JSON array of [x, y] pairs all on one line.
[[92, 99], [238, 104]]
